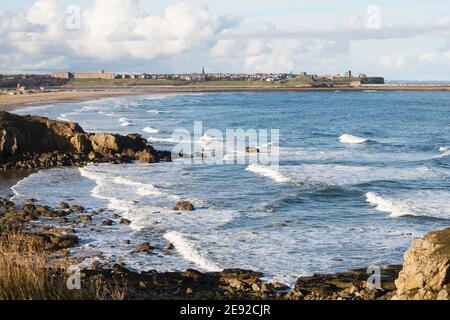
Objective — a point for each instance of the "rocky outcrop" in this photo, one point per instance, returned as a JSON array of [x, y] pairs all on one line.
[[37, 142], [184, 206], [426, 269]]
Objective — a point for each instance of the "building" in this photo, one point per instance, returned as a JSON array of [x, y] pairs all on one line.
[[62, 75], [348, 74], [367, 80], [95, 75]]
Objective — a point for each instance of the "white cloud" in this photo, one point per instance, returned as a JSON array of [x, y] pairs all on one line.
[[395, 60], [112, 30]]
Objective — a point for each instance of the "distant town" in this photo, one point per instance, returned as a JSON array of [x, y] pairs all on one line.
[[107, 78], [347, 78]]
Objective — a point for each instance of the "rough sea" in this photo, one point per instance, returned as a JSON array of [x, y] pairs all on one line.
[[361, 174]]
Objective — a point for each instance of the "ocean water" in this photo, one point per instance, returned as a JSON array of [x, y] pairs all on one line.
[[361, 174]]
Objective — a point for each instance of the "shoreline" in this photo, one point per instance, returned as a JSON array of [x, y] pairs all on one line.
[[9, 103], [79, 94]]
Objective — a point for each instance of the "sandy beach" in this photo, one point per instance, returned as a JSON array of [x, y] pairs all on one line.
[[10, 102]]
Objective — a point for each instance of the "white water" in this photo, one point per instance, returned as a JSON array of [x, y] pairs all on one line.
[[187, 249], [350, 139], [268, 172], [434, 204], [150, 130]]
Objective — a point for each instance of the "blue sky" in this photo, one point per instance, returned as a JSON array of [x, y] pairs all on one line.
[[400, 40]]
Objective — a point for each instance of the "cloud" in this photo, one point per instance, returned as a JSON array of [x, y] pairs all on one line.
[[183, 37], [111, 30], [395, 61]]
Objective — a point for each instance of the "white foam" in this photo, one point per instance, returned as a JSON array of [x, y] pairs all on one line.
[[155, 111], [342, 175], [388, 205], [350, 139], [124, 121], [188, 251], [427, 203], [167, 140], [268, 172], [150, 130], [445, 152]]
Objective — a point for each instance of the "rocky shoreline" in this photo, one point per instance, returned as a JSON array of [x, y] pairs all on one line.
[[31, 142], [35, 143]]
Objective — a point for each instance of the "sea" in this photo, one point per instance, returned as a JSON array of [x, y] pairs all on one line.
[[360, 175]]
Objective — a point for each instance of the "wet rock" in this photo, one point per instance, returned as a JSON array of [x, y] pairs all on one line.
[[144, 248], [107, 222], [169, 248], [184, 206], [125, 221], [77, 209], [85, 218], [63, 206]]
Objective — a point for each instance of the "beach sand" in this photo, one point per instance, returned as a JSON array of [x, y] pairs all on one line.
[[10, 102]]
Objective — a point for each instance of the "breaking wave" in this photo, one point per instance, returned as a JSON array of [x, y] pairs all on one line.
[[187, 250], [268, 172], [350, 139], [150, 130]]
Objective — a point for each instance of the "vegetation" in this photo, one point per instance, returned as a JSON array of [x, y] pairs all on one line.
[[25, 274]]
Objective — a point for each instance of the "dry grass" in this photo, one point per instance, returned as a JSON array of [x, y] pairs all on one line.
[[24, 274]]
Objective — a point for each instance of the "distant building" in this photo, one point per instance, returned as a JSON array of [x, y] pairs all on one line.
[[95, 75], [368, 80], [62, 75], [348, 74]]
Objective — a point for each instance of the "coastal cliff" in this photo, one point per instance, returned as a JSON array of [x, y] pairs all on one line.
[[36, 142], [426, 269]]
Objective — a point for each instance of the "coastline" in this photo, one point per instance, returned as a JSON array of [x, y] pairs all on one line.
[[78, 94], [9, 103]]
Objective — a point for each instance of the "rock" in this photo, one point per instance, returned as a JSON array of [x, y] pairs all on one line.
[[251, 150], [169, 248], [63, 206], [85, 218], [125, 221], [64, 241], [144, 248], [37, 142], [107, 222], [126, 242], [184, 206], [426, 268], [77, 209]]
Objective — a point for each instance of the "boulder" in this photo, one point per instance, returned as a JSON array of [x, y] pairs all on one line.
[[184, 206], [426, 268], [107, 222], [144, 248], [125, 221]]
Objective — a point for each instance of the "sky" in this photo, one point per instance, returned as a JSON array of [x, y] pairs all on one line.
[[400, 40]]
